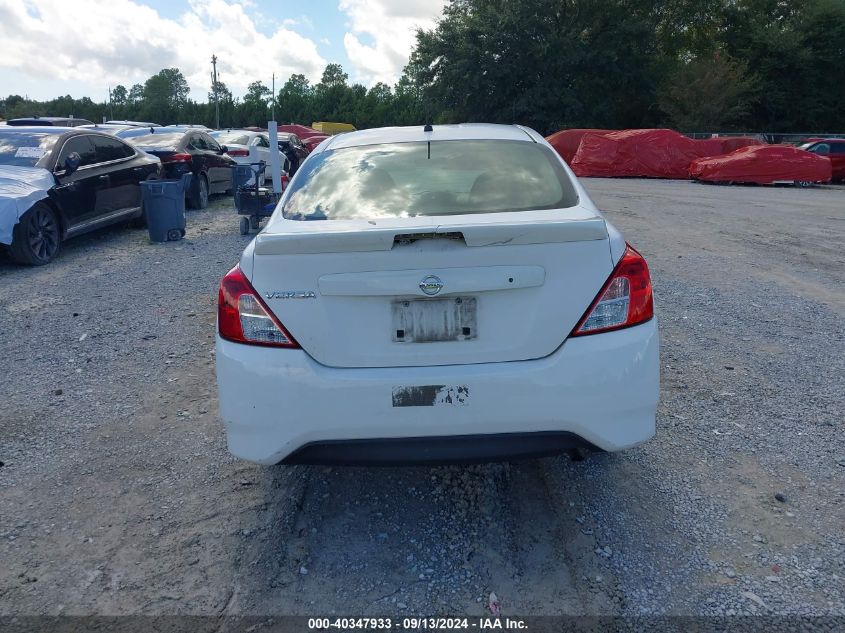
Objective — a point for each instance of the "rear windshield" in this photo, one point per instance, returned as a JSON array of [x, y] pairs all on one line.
[[25, 149], [422, 178], [232, 138], [158, 140]]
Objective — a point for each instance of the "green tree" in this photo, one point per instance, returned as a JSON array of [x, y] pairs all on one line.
[[295, 101], [136, 94], [221, 91], [164, 94], [254, 110], [546, 63], [709, 94], [333, 76], [795, 48], [334, 99], [119, 95]]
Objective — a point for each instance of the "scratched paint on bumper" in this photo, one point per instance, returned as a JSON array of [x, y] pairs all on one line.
[[430, 395]]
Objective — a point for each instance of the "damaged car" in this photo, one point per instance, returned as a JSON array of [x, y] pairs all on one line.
[[435, 294], [56, 183]]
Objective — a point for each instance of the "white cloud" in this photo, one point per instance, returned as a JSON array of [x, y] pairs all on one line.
[[392, 25], [302, 20], [123, 41]]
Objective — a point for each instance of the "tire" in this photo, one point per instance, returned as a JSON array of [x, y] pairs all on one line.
[[244, 225], [37, 237], [254, 222], [199, 198], [803, 183]]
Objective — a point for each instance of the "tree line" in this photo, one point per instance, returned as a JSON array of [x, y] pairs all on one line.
[[695, 65]]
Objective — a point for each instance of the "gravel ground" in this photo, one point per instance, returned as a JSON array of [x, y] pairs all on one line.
[[118, 495]]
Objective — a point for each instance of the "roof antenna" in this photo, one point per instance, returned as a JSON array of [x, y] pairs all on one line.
[[428, 128]]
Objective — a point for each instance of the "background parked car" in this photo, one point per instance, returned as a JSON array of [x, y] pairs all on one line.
[[763, 165], [93, 182], [246, 147], [49, 120], [109, 128], [189, 150], [129, 132], [134, 123], [832, 148], [292, 147], [313, 141]]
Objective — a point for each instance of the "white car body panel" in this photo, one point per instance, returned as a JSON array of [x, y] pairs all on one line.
[[531, 274], [602, 388], [513, 323], [256, 152]]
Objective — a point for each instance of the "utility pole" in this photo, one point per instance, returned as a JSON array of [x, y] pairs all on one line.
[[111, 107], [214, 90], [273, 103]]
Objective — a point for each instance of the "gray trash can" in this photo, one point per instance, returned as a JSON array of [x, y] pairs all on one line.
[[164, 208]]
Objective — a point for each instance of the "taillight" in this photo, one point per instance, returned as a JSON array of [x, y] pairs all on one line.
[[625, 299], [243, 317], [238, 152], [176, 158]]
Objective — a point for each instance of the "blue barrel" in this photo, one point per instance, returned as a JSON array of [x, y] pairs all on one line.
[[164, 208]]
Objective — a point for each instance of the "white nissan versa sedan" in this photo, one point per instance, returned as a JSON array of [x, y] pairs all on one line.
[[447, 293]]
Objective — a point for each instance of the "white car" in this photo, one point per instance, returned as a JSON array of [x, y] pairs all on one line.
[[445, 294], [247, 147]]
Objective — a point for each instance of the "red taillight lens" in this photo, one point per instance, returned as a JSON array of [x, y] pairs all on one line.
[[243, 317], [238, 152], [624, 300], [176, 158]]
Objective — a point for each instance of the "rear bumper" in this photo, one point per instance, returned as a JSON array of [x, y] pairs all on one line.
[[437, 450], [281, 405]]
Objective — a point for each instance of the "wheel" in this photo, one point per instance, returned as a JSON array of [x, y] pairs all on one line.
[[174, 235], [803, 183], [199, 198], [244, 225], [37, 237], [254, 221]]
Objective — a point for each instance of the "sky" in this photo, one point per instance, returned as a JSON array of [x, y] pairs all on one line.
[[83, 47]]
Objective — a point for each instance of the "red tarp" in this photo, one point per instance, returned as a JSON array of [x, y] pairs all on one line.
[[763, 165], [302, 131], [641, 153], [566, 142], [731, 143]]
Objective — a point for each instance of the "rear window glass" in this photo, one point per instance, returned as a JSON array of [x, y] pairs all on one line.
[[25, 149], [158, 140], [422, 178], [232, 138]]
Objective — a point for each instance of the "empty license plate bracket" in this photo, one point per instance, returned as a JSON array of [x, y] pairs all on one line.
[[434, 320]]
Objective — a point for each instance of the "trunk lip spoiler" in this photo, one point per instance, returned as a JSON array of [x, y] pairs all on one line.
[[347, 239]]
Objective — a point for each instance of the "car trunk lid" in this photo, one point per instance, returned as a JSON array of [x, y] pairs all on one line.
[[428, 291]]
